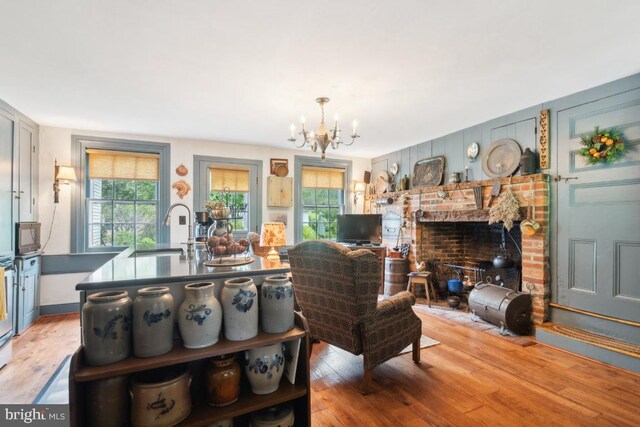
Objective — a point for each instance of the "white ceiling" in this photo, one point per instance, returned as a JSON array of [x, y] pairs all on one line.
[[243, 71]]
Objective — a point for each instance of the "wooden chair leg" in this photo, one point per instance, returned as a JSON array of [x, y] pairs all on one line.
[[416, 351], [366, 382]]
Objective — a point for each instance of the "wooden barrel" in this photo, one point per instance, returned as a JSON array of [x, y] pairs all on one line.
[[395, 275]]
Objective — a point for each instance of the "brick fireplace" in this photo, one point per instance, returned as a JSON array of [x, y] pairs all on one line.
[[453, 231]]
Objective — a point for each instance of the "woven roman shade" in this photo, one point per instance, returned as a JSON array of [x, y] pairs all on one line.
[[316, 177], [231, 179], [125, 165]]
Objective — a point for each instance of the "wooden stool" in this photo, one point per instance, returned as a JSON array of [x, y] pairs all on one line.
[[416, 278]]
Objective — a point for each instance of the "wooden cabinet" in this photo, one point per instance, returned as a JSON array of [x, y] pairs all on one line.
[[202, 414], [279, 191], [6, 195], [28, 292], [27, 183]]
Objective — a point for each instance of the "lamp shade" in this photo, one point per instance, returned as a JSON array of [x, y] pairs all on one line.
[[272, 234], [66, 173], [359, 187]]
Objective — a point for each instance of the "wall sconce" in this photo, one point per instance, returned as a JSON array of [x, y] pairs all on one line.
[[358, 188], [61, 173]]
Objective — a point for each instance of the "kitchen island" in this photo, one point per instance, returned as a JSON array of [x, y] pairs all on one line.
[[169, 265]]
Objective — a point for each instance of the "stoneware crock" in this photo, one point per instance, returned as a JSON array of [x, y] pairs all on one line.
[[276, 304], [153, 315], [240, 307], [199, 316]]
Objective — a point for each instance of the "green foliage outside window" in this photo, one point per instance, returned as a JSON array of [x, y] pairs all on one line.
[[122, 213], [238, 203], [320, 209]]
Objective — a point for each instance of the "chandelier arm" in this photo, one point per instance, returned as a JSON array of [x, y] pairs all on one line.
[[353, 139]]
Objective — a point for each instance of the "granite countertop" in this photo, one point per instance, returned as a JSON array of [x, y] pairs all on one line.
[[160, 264]]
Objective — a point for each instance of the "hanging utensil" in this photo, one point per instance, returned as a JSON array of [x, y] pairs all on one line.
[[477, 194], [529, 226], [495, 191]]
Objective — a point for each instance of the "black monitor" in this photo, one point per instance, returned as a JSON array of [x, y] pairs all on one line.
[[360, 229]]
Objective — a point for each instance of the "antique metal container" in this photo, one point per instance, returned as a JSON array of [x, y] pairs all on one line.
[[502, 306], [528, 162]]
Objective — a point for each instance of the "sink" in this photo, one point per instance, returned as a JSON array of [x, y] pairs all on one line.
[[156, 252]]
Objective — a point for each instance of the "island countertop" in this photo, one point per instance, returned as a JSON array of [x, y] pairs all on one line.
[[165, 264]]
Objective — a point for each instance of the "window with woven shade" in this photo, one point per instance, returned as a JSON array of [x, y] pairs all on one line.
[[122, 198], [230, 185], [323, 199]]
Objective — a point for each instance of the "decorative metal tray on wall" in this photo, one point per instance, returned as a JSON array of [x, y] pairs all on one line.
[[502, 158], [428, 172]]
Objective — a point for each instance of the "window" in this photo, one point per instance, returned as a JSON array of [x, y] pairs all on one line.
[[322, 201], [235, 182], [231, 187], [122, 196], [320, 196]]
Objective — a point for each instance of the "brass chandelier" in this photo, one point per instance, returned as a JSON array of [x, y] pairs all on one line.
[[324, 137]]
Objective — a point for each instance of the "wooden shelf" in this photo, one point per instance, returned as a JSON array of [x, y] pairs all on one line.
[[203, 414], [180, 354]]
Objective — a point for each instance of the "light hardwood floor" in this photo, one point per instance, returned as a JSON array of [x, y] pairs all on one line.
[[470, 379]]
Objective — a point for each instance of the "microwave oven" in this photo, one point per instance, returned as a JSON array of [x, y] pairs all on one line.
[[27, 237]]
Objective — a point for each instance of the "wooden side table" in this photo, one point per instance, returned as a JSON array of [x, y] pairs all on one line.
[[416, 278]]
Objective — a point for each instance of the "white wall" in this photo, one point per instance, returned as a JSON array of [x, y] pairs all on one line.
[[56, 143]]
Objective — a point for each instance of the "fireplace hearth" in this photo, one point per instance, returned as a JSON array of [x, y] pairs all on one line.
[[453, 231]]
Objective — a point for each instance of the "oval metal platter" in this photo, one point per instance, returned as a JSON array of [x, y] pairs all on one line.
[[502, 158], [382, 182]]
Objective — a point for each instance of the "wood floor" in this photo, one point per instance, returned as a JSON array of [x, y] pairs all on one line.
[[36, 355], [470, 379]]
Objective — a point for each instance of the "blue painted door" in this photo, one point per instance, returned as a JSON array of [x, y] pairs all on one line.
[[598, 223]]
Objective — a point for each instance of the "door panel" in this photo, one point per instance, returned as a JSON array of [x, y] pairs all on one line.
[[6, 197], [598, 228], [26, 138]]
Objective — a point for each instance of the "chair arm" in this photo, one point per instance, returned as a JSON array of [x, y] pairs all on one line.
[[395, 304]]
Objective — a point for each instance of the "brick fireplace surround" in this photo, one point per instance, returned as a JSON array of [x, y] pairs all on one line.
[[457, 209]]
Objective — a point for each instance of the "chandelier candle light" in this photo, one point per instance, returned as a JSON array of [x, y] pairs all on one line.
[[323, 138]]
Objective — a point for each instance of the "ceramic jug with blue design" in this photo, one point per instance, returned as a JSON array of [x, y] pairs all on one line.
[[199, 316], [264, 367], [106, 327], [153, 315], [276, 304], [240, 306]]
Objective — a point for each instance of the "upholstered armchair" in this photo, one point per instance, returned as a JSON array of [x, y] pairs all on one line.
[[337, 291]]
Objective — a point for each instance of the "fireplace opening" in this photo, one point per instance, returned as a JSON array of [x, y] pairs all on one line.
[[466, 250]]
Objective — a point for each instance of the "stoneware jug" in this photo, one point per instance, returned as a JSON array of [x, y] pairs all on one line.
[[264, 367], [276, 304], [160, 397], [106, 327], [240, 306], [199, 316], [275, 416], [110, 403], [223, 380], [152, 322]]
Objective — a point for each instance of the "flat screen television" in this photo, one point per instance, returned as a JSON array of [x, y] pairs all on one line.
[[360, 229]]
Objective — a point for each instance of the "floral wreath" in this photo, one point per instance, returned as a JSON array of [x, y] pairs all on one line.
[[602, 145]]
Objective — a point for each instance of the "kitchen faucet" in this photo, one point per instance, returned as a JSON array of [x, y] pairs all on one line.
[[167, 218]]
